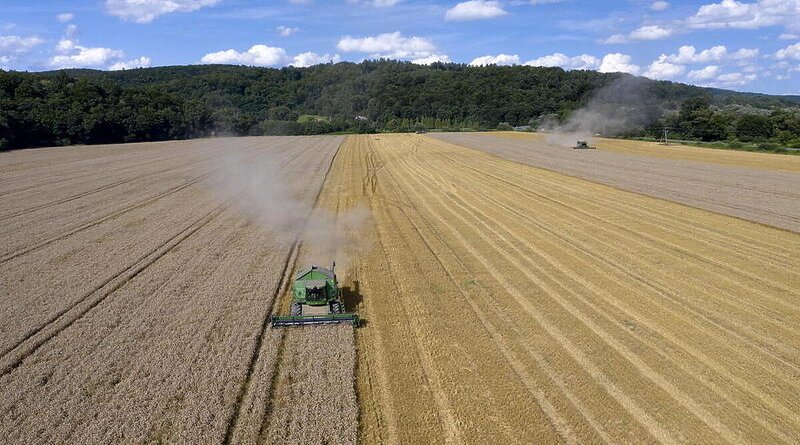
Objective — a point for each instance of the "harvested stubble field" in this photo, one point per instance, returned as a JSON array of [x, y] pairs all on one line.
[[134, 294], [509, 304], [676, 151], [759, 187], [504, 303]]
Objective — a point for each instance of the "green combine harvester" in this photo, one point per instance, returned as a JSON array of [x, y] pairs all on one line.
[[316, 299]]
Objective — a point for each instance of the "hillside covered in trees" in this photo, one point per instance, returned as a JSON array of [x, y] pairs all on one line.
[[90, 107]]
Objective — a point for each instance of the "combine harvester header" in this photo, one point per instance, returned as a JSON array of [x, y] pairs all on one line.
[[316, 299]]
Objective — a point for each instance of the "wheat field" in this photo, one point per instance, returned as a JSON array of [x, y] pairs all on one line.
[[510, 293], [509, 304], [135, 295]]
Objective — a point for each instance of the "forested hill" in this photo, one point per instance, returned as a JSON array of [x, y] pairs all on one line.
[[86, 106]]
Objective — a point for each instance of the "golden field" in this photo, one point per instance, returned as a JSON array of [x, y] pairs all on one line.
[[505, 300], [509, 304]]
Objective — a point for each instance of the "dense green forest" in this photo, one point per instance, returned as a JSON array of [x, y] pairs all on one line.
[[90, 107]]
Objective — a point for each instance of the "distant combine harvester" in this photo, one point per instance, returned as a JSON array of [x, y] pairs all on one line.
[[664, 140]]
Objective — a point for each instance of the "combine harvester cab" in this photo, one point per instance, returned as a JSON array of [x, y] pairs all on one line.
[[316, 299], [583, 145]]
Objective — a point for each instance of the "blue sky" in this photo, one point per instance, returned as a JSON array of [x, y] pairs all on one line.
[[745, 46]]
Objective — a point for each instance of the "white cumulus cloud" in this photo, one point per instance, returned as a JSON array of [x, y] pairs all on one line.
[[257, 55], [263, 55], [286, 31], [65, 45], [650, 32], [65, 17], [647, 32], [582, 62], [500, 59], [734, 14], [790, 52], [18, 45], [474, 10], [618, 63], [444, 58], [664, 70], [310, 59], [77, 56], [389, 45], [141, 62], [706, 73], [145, 11], [735, 79], [71, 54], [688, 54], [745, 53]]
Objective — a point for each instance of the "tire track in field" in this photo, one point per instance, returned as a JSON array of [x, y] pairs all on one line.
[[670, 219], [622, 269], [215, 212], [685, 166], [289, 265], [610, 173], [641, 164], [730, 301], [97, 190], [37, 246], [651, 284], [638, 413], [14, 356], [67, 199], [531, 264], [669, 295], [11, 255], [645, 369], [288, 269], [384, 412], [601, 198], [445, 412], [611, 246], [487, 227], [75, 174], [557, 422], [589, 216], [765, 398], [432, 382]]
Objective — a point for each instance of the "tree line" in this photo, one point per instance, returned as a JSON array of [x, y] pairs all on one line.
[[93, 107]]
